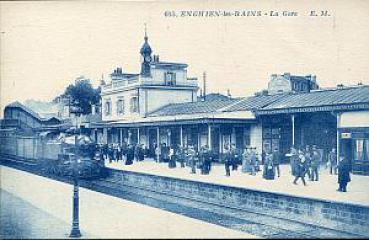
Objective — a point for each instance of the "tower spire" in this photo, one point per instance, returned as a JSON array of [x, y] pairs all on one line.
[[204, 85], [145, 32]]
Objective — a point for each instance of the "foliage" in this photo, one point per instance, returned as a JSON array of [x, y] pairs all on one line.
[[81, 94]]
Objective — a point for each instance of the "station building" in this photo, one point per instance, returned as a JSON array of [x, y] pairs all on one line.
[[160, 105]]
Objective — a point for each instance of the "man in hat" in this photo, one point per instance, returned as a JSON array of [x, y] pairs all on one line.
[[343, 174]]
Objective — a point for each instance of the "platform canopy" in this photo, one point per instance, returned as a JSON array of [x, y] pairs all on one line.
[[217, 117], [353, 98]]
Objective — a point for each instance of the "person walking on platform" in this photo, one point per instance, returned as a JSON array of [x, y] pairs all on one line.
[[165, 153], [130, 155], [227, 160], [254, 163], [136, 150], [119, 152], [157, 153], [201, 161], [343, 174], [315, 162], [300, 170], [332, 160], [235, 157], [268, 172], [294, 158], [204, 157], [246, 160], [105, 150], [172, 157], [208, 159], [181, 157], [141, 152], [191, 154], [308, 155], [124, 150], [110, 153], [276, 161]]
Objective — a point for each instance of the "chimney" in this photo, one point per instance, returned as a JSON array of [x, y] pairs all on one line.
[[102, 81], [287, 75], [313, 78], [229, 93], [156, 58]]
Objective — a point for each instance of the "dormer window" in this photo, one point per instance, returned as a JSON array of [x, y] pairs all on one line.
[[170, 78]]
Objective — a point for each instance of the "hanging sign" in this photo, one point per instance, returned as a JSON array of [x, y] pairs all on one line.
[[345, 135]]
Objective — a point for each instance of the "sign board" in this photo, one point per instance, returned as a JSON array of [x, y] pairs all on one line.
[[345, 135]]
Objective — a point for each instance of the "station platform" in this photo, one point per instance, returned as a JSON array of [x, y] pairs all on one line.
[[101, 216], [324, 189]]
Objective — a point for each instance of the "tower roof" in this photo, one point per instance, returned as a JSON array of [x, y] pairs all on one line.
[[145, 49]]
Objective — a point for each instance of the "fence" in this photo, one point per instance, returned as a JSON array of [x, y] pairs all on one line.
[[28, 147]]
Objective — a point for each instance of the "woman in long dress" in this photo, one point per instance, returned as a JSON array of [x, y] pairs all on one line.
[[172, 158], [246, 160], [268, 166]]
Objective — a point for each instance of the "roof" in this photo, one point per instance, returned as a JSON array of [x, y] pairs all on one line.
[[213, 97], [34, 114], [320, 98], [317, 100], [253, 103], [193, 107], [169, 64]]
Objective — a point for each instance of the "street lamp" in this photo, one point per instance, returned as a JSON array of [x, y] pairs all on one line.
[[76, 233]]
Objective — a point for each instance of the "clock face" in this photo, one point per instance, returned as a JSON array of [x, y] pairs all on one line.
[[147, 58]]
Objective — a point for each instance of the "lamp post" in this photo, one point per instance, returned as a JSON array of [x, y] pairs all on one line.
[[76, 233]]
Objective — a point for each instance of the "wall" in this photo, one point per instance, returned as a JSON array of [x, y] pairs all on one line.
[[157, 98], [354, 119], [279, 84], [149, 100], [338, 216], [126, 96], [158, 75], [28, 147]]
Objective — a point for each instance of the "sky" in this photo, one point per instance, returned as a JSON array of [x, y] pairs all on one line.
[[45, 46]]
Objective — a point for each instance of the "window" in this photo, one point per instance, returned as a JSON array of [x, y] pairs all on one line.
[[361, 149], [107, 108], [134, 105], [170, 78], [120, 107]]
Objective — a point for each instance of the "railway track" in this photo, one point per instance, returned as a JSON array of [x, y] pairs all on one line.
[[233, 218]]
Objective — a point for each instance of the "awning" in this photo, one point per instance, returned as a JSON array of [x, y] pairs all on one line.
[[240, 117], [354, 119]]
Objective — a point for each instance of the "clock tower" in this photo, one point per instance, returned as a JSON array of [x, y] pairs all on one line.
[[145, 57]]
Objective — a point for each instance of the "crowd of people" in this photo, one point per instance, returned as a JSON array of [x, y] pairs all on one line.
[[304, 162], [307, 162]]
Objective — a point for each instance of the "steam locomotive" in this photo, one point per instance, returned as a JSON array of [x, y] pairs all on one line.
[[82, 157]]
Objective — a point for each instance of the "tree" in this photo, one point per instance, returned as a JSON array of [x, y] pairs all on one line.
[[82, 94]]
